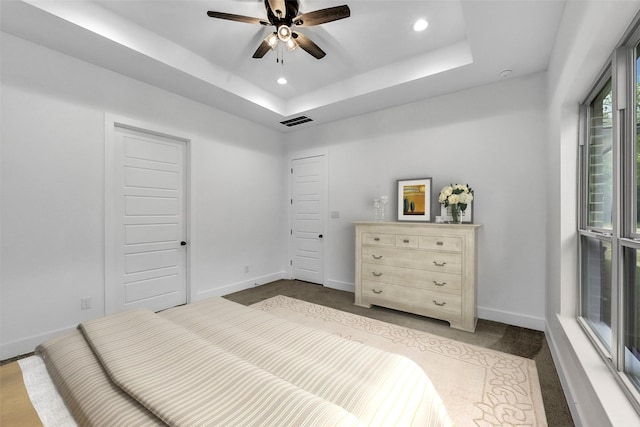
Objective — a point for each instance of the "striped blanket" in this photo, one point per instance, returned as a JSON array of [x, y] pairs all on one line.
[[219, 363]]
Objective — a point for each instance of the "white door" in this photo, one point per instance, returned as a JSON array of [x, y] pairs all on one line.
[[308, 187], [146, 224]]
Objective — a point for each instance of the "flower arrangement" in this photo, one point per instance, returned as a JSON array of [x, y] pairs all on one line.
[[456, 197]]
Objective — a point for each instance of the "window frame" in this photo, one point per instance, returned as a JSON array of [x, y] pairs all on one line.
[[631, 177], [621, 69], [583, 167]]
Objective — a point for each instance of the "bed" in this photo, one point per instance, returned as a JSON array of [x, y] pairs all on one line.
[[216, 362]]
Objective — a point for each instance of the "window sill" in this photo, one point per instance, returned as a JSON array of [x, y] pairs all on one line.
[[588, 378]]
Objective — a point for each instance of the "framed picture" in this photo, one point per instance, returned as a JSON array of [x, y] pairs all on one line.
[[467, 216], [414, 199]]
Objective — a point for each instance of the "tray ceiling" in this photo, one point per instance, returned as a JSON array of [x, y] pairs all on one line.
[[374, 58]]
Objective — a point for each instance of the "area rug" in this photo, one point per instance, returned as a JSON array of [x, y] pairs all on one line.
[[479, 386]]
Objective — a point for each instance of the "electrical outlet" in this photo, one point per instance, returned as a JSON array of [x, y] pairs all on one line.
[[85, 303]]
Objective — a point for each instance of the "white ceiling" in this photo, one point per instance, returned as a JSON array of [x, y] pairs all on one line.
[[374, 59]]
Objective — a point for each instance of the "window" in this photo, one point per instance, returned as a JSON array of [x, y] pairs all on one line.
[[600, 161], [596, 295], [632, 316], [596, 244], [609, 222], [637, 134], [630, 247]]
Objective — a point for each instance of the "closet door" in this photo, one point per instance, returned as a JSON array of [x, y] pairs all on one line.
[[146, 257], [308, 195]]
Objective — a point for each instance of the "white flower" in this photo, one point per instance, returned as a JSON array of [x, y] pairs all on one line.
[[456, 194], [465, 198]]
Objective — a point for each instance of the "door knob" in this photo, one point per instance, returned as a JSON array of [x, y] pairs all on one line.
[[183, 243], [320, 236]]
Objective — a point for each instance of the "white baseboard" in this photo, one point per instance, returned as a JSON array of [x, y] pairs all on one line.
[[563, 369], [341, 286], [28, 345], [239, 286], [515, 319], [508, 318]]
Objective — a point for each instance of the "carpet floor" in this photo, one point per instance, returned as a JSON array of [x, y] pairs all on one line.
[[496, 336]]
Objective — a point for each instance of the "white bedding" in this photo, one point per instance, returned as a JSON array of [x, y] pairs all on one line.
[[43, 394], [216, 362]]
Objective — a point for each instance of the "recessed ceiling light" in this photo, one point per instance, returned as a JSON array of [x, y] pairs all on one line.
[[420, 25], [505, 73], [282, 81]]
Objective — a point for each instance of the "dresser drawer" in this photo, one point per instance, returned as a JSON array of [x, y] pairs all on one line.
[[406, 241], [379, 239], [443, 262], [435, 243], [390, 240], [378, 293], [421, 279]]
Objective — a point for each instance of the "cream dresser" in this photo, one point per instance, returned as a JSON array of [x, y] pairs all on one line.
[[427, 269]]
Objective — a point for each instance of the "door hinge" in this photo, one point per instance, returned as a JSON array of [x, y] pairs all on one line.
[[291, 201], [291, 170], [291, 232], [290, 262]]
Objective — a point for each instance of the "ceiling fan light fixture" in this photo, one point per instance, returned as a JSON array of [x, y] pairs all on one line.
[[284, 33], [272, 40], [420, 25], [291, 45]]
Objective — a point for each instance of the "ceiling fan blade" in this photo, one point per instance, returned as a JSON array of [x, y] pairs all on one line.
[[278, 5], [322, 16], [237, 18], [265, 46], [308, 45]]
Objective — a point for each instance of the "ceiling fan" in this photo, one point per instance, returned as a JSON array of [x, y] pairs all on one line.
[[283, 15]]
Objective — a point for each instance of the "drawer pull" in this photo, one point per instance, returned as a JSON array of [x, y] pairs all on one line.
[[376, 274], [376, 239], [439, 304], [377, 257], [439, 284], [377, 292], [406, 240], [439, 243], [439, 264]]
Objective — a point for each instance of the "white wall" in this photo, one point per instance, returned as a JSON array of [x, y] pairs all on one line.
[[514, 146], [588, 34], [491, 137], [53, 110]]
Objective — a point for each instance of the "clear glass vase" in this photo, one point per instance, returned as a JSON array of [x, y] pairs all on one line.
[[456, 214], [377, 210]]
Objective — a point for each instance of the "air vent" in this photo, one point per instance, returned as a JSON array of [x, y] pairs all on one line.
[[297, 121]]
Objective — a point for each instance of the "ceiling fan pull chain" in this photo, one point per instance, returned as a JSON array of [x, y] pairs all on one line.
[[279, 55]]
